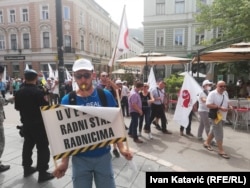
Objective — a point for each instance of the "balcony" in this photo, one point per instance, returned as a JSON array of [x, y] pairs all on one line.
[[69, 50]]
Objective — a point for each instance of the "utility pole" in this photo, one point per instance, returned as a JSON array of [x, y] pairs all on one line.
[[60, 47]]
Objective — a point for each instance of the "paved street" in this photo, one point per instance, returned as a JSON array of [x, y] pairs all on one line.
[[164, 153]]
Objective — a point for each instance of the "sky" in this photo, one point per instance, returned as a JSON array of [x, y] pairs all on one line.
[[134, 11]]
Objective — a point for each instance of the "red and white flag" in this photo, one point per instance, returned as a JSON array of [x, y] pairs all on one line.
[[187, 98], [122, 46]]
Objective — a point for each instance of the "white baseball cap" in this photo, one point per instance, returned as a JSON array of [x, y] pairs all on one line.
[[82, 64], [118, 82], [206, 82]]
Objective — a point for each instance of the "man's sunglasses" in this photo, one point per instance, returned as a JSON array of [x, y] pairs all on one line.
[[85, 75]]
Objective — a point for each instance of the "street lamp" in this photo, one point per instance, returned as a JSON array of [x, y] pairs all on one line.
[[60, 47], [146, 69]]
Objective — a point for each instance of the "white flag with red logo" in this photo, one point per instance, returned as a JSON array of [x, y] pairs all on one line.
[[187, 98], [122, 46]]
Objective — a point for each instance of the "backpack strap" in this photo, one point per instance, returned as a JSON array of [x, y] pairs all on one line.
[[101, 94], [72, 97], [102, 97]]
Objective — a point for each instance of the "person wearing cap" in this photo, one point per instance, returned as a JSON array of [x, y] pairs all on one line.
[[203, 109], [28, 100], [119, 88], [124, 99], [218, 99], [93, 164], [3, 167]]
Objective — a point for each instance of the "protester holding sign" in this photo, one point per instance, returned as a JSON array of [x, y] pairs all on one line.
[[92, 164]]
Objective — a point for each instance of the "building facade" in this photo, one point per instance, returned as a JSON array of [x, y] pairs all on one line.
[[28, 35], [170, 28]]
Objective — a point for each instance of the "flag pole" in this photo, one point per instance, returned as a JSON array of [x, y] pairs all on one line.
[[110, 66], [119, 105]]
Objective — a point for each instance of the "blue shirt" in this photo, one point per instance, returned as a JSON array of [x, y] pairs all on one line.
[[2, 86], [93, 100]]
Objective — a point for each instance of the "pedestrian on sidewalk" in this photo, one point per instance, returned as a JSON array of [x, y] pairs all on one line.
[[158, 108], [147, 100], [92, 165], [2, 135], [203, 110], [28, 100], [217, 99], [135, 109], [124, 99], [188, 128]]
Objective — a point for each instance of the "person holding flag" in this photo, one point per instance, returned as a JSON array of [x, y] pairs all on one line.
[[187, 99]]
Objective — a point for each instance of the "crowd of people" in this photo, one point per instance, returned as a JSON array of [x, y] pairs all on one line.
[[143, 106]]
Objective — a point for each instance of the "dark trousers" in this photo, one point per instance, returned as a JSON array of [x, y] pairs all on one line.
[[188, 129], [134, 124], [34, 135], [3, 93], [146, 116], [158, 111], [124, 105]]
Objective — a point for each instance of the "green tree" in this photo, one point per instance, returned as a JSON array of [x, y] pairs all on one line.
[[232, 17], [174, 83]]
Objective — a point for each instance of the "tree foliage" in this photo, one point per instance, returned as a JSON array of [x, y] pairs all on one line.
[[231, 16], [174, 83]]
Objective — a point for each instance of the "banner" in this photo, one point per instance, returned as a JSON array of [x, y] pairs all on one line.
[[73, 129], [187, 98], [122, 46]]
